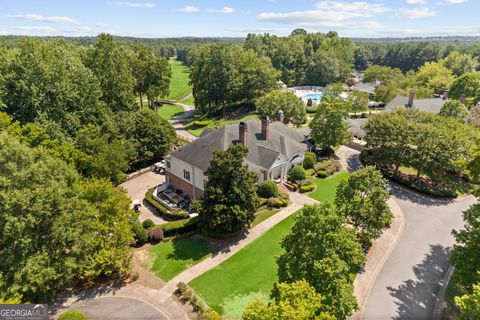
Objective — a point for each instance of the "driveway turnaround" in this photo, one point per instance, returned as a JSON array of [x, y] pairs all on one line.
[[408, 285], [119, 308]]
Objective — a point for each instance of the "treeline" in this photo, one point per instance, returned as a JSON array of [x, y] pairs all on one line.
[[83, 99], [409, 55]]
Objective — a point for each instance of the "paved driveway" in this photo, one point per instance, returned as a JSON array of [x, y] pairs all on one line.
[[410, 280], [118, 308], [136, 189]]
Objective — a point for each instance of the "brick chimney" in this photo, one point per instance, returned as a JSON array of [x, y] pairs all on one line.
[[445, 95], [243, 133], [411, 96], [280, 116], [265, 128], [462, 99]]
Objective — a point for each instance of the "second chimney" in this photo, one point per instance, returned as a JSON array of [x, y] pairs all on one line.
[[445, 95], [280, 116], [265, 128], [243, 133], [411, 96], [462, 99]]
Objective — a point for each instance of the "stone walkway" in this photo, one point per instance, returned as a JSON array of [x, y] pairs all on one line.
[[298, 201], [180, 128]]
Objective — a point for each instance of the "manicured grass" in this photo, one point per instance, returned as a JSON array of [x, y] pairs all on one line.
[[172, 257], [327, 187], [168, 111], [215, 124], [189, 101], [179, 86], [251, 272], [262, 216]]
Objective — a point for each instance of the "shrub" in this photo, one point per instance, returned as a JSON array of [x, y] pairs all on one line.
[[322, 174], [186, 294], [308, 188], [210, 315], [140, 233], [148, 223], [262, 201], [310, 172], [310, 160], [180, 226], [283, 195], [268, 189], [155, 234], [72, 315], [201, 123], [296, 173], [284, 202]]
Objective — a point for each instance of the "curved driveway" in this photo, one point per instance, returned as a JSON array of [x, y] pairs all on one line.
[[409, 283]]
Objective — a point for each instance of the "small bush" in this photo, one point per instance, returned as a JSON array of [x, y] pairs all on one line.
[[140, 233], [296, 173], [308, 188], [155, 234], [148, 223], [283, 196], [72, 315], [268, 189], [210, 315], [202, 123], [310, 172], [262, 201], [322, 174], [310, 160]]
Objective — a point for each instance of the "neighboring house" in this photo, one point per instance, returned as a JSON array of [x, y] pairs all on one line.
[[273, 148], [432, 105]]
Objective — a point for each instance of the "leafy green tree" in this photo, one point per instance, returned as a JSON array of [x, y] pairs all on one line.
[[382, 74], [329, 125], [294, 301], [278, 100], [474, 116], [268, 189], [110, 65], [466, 252], [469, 304], [152, 75], [320, 250], [230, 197], [362, 200], [359, 101], [469, 85], [435, 76], [459, 63], [454, 109], [296, 173], [310, 160]]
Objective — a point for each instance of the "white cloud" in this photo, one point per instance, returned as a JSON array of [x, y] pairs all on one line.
[[35, 29], [189, 9], [223, 10], [416, 13], [416, 1], [39, 17], [331, 14], [131, 4], [442, 2]]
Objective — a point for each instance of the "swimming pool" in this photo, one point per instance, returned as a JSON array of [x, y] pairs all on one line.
[[315, 97]]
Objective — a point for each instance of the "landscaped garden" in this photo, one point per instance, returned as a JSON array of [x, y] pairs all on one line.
[[251, 272]]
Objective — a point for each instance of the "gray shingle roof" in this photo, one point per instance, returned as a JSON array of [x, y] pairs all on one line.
[[284, 143], [432, 105], [356, 126]]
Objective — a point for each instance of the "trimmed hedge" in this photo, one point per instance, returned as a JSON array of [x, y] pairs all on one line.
[[296, 173], [148, 223], [310, 172], [72, 315], [308, 188], [162, 210], [180, 226]]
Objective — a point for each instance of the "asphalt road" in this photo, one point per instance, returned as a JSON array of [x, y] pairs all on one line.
[[120, 308], [409, 282]]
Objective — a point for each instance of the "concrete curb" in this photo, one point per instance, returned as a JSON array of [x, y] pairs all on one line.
[[376, 258], [437, 310]]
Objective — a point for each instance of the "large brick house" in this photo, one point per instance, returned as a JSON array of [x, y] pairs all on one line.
[[273, 148]]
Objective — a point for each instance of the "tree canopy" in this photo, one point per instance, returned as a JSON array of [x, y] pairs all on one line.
[[292, 106]]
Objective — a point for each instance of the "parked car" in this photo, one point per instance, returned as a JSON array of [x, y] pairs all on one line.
[[159, 167]]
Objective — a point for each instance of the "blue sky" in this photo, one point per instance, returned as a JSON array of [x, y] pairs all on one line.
[[163, 18]]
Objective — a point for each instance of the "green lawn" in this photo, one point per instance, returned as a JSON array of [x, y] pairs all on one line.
[[179, 86], [251, 272], [168, 111], [172, 257], [262, 216], [214, 124], [327, 187]]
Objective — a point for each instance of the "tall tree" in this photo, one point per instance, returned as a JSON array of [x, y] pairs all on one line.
[[329, 125], [469, 304], [294, 301], [362, 200], [292, 106], [230, 198], [435, 76], [320, 250], [455, 110], [469, 85], [110, 65], [459, 63]]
